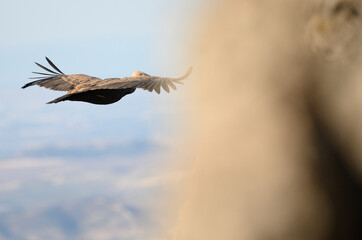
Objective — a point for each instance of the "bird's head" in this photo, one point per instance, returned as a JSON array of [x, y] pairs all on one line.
[[139, 74]]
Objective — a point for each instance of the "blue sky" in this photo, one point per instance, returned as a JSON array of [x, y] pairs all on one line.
[[56, 158]]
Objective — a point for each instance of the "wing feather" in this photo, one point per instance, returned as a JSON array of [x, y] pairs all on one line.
[[46, 69], [165, 87], [172, 85], [153, 85], [64, 82], [149, 83], [47, 74], [158, 87], [143, 84], [53, 65]]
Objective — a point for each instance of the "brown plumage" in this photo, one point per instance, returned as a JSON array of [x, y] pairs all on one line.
[[94, 90]]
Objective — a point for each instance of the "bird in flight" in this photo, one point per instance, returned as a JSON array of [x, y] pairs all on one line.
[[81, 87]]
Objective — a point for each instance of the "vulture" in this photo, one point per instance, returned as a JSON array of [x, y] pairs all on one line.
[[81, 87]]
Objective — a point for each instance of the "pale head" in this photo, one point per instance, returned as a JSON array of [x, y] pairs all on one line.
[[139, 74]]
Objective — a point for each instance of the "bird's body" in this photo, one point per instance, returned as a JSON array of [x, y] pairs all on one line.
[[81, 87]]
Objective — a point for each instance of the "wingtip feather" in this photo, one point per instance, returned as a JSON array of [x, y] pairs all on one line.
[[158, 88], [172, 85], [45, 68], [53, 65], [165, 87]]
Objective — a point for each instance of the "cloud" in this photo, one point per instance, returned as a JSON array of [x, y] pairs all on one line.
[[9, 186], [149, 180], [26, 163], [90, 149], [94, 218], [93, 199]]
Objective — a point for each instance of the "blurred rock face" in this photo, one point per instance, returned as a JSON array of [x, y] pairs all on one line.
[[277, 123]]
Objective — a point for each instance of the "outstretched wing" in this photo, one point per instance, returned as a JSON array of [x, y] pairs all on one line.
[[57, 80], [149, 83]]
